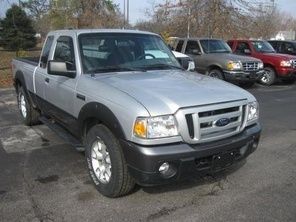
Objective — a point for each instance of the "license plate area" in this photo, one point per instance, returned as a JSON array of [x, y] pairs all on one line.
[[224, 160]]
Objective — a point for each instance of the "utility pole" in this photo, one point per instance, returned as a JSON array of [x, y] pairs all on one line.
[[124, 13], [127, 12]]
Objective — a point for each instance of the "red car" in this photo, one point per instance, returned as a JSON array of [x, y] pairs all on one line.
[[276, 66]]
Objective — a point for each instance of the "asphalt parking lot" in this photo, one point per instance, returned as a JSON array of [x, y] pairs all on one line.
[[44, 179]]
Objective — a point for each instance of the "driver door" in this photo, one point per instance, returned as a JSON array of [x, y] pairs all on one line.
[[193, 50], [60, 91]]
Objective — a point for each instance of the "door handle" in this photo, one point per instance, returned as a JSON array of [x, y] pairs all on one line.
[[47, 80]]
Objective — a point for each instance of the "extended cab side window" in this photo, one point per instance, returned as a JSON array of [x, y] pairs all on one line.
[[179, 46], [242, 48], [64, 51], [192, 47], [45, 52]]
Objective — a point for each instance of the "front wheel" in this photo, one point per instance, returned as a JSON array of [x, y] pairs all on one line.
[[269, 76], [216, 73], [106, 163]]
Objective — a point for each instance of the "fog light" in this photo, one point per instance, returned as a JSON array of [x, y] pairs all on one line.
[[164, 168], [255, 144]]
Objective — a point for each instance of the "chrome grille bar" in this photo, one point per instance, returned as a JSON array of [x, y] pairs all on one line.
[[203, 127], [250, 66]]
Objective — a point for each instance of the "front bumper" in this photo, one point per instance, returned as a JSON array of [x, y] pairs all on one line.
[[286, 72], [242, 76], [188, 160]]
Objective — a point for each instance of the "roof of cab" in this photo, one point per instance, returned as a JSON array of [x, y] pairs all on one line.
[[84, 31]]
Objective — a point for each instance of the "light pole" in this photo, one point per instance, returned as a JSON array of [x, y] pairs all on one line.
[[125, 12]]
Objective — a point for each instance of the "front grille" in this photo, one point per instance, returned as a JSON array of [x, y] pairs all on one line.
[[293, 63], [200, 124], [250, 66]]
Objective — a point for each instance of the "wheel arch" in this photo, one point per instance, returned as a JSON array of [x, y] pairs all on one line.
[[96, 113], [19, 80], [269, 65], [214, 66]]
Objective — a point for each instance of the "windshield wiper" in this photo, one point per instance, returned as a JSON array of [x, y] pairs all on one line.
[[163, 66]]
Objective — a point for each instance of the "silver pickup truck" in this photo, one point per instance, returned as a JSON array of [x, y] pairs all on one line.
[[214, 57], [123, 98]]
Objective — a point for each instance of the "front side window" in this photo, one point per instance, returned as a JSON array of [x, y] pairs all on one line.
[[262, 47], [64, 51], [110, 52], [214, 46]]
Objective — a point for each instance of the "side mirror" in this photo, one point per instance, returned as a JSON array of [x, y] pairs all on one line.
[[290, 49], [247, 51], [191, 66], [60, 69], [196, 52]]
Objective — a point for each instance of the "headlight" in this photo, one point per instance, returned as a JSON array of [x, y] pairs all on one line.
[[260, 65], [155, 127], [234, 65], [253, 111], [285, 63]]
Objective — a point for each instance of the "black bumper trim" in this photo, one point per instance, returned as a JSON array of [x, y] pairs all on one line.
[[144, 161], [243, 76]]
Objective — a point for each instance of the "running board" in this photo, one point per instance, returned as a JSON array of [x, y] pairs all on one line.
[[62, 133]]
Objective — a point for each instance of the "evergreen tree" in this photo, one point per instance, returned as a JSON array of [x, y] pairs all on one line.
[[17, 30]]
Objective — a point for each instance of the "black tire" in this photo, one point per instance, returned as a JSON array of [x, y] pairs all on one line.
[[120, 182], [216, 73], [289, 80], [269, 77], [247, 84], [29, 114]]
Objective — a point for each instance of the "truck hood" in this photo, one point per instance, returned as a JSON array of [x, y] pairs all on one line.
[[166, 91], [235, 58], [279, 56]]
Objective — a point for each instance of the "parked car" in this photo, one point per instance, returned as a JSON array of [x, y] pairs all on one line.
[[140, 118], [276, 66], [283, 46], [185, 61], [213, 57]]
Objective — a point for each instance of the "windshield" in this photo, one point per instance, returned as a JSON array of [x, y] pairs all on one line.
[[262, 46], [214, 46], [115, 52]]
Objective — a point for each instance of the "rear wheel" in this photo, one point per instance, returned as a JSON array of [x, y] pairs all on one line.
[[28, 113], [216, 73], [106, 163], [269, 76]]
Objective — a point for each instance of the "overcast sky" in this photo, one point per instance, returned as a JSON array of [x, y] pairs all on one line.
[[137, 7]]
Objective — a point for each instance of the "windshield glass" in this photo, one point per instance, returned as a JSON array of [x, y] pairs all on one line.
[[262, 46], [214, 46], [115, 52]]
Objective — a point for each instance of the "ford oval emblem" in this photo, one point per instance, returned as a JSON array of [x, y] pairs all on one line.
[[222, 122]]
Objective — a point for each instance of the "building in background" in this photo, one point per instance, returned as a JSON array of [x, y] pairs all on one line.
[[285, 35]]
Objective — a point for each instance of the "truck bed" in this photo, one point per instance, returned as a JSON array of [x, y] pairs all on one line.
[[31, 60]]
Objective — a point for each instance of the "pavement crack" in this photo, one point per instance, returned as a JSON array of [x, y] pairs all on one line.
[[38, 213]]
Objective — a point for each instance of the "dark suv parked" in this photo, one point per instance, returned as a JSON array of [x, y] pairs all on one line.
[[284, 47]]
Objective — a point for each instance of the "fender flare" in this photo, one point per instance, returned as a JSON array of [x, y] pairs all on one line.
[[19, 77], [101, 113]]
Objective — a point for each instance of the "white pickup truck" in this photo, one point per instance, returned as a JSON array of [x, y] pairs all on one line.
[[122, 97]]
